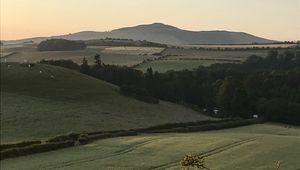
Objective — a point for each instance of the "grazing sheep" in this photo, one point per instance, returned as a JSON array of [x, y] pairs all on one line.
[[52, 76], [41, 72]]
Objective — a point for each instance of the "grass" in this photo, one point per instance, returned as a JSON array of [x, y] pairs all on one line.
[[243, 46], [253, 147], [56, 101], [133, 50], [181, 59], [190, 53], [118, 56]]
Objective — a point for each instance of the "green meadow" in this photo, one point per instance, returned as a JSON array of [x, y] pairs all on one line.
[[44, 101], [256, 147]]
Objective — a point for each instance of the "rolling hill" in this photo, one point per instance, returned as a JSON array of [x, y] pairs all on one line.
[[44, 101], [161, 33]]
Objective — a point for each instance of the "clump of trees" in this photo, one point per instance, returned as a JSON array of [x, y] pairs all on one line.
[[62, 63], [123, 42], [61, 45], [268, 87]]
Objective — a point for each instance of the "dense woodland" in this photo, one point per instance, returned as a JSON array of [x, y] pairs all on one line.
[[61, 45], [268, 87]]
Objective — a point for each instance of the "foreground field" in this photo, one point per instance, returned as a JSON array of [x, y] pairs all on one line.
[[256, 147], [44, 101]]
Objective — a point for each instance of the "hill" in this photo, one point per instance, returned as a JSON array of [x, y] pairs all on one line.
[[44, 101], [165, 34], [251, 147]]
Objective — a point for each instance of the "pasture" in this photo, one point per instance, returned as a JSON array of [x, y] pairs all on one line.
[[44, 101], [181, 59], [242, 46], [125, 56], [256, 147]]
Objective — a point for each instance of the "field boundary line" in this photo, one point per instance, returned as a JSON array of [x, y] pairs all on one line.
[[100, 157], [208, 153]]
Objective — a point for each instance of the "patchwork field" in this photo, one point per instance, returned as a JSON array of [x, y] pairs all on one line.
[[44, 101], [141, 57], [242, 46], [126, 56], [133, 50], [181, 59], [256, 147]]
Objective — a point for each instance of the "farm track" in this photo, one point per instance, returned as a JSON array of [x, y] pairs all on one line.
[[98, 157], [207, 153], [139, 145], [9, 55]]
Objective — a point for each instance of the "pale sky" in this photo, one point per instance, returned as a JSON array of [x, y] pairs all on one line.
[[273, 19]]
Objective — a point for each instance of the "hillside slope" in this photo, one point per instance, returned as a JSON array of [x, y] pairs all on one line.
[[44, 101], [166, 34]]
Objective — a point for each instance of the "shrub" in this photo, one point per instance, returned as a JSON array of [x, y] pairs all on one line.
[[17, 145], [61, 138], [36, 148]]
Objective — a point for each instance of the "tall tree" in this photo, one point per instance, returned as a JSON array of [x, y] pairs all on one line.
[[85, 68]]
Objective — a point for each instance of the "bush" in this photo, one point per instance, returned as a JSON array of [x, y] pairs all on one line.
[[62, 63], [18, 145], [36, 148], [61, 138]]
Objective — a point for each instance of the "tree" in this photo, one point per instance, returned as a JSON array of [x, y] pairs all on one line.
[[98, 61], [85, 68], [239, 103]]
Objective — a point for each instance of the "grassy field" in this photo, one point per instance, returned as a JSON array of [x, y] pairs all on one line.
[[117, 55], [133, 50], [173, 59], [256, 147], [243, 46], [203, 54], [180, 59], [44, 101]]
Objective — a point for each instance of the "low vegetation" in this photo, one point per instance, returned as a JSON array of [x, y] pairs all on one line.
[[73, 139], [122, 42], [61, 45]]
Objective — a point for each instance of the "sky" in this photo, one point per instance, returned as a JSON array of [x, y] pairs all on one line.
[[273, 19]]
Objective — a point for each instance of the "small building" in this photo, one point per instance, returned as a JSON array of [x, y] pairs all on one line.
[[216, 111]]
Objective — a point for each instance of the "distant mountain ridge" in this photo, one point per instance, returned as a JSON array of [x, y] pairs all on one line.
[[165, 34]]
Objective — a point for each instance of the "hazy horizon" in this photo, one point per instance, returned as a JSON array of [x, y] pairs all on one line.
[[272, 19]]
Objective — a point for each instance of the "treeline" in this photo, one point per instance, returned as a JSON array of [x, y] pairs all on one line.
[[61, 45], [123, 42], [268, 87], [75, 139]]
